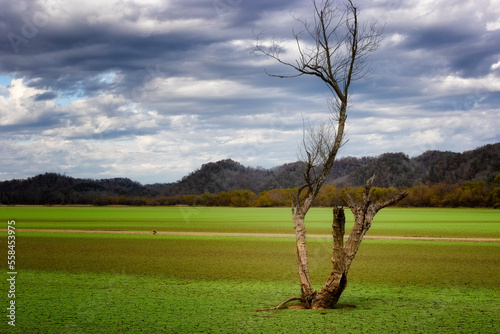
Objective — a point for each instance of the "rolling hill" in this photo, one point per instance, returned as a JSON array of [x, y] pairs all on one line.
[[393, 170]]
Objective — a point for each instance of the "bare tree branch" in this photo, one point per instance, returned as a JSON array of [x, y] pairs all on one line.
[[337, 56]]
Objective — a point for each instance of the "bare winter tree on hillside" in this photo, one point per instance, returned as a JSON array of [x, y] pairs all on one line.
[[334, 48]]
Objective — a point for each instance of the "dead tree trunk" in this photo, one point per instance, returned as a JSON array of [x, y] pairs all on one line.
[[343, 253], [337, 281], [306, 290]]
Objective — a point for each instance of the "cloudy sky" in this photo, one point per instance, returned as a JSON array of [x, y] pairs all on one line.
[[153, 89]]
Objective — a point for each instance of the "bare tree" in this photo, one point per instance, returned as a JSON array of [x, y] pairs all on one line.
[[334, 48]]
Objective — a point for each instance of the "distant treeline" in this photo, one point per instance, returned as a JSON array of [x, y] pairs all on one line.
[[434, 179], [471, 194]]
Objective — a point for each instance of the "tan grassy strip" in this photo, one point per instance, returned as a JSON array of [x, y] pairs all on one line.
[[260, 235]]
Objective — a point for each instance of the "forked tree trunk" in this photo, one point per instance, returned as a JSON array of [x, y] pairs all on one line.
[[343, 253]]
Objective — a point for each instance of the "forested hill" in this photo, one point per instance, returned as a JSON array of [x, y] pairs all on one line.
[[393, 169], [51, 188]]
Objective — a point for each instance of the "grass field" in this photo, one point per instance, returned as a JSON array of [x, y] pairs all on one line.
[[117, 283], [467, 223]]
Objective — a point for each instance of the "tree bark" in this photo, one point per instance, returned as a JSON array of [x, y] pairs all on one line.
[[330, 293], [306, 290]]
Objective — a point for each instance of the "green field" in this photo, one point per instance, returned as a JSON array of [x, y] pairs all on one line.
[[132, 283], [466, 223]]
